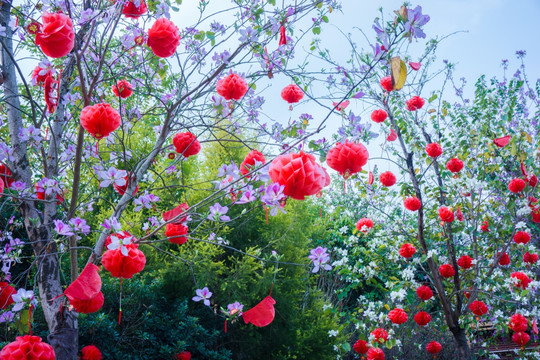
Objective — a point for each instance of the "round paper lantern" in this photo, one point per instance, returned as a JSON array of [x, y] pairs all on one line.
[[40, 79], [123, 89], [6, 291], [172, 214], [392, 136], [361, 347], [433, 347], [424, 292], [535, 215], [518, 323], [379, 335], [485, 226], [454, 165], [56, 38], [478, 308], [387, 178], [184, 355], [88, 306], [347, 158], [121, 266], [84, 293], [504, 260], [422, 318], [523, 280], [375, 354], [386, 83], [398, 316], [521, 338], [100, 120], [516, 185], [434, 150], [299, 173], [465, 262], [379, 115], [27, 347], [292, 94], [132, 11], [522, 237], [412, 203], [6, 175], [163, 38], [533, 180], [176, 233], [122, 189], [249, 162], [91, 352], [415, 103], [364, 225], [530, 258], [447, 270], [186, 144], [232, 86], [446, 214], [407, 250]]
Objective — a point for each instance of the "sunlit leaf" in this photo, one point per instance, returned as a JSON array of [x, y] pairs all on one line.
[[399, 73]]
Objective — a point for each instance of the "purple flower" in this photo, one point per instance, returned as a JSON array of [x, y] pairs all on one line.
[[235, 309], [415, 21], [203, 294], [62, 229], [145, 200], [18, 186], [86, 16], [248, 195], [248, 35], [8, 316], [120, 243], [112, 176], [217, 212], [273, 196], [320, 259], [80, 225]]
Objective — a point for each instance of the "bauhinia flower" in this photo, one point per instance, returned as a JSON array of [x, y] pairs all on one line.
[[320, 259], [203, 294], [120, 243], [217, 213]]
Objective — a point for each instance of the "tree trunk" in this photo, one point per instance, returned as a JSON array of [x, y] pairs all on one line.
[[462, 344]]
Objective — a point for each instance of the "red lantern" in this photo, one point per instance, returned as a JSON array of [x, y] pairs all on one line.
[[261, 314], [292, 94], [412, 203], [433, 347], [123, 89], [361, 347], [6, 175], [299, 173], [172, 214], [379, 115], [535, 215], [533, 181], [387, 178], [485, 226], [523, 280], [119, 265], [56, 37], [407, 250], [522, 237], [186, 144], [163, 38], [122, 189], [379, 335], [51, 93], [134, 12], [100, 120], [446, 214], [518, 323], [434, 150], [398, 316], [424, 292], [465, 262], [249, 162], [504, 260], [415, 103], [454, 165], [386, 83], [478, 308], [530, 258], [84, 294], [447, 270], [375, 354], [88, 306], [27, 347], [516, 185], [503, 141], [364, 225], [422, 318], [392, 136], [91, 352], [184, 355], [521, 338], [40, 79], [232, 86], [175, 233], [6, 291], [347, 158], [1, 186]]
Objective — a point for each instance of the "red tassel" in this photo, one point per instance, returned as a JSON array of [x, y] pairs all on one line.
[[119, 316], [282, 36], [225, 326], [120, 307], [30, 317], [266, 214], [97, 142], [320, 213]]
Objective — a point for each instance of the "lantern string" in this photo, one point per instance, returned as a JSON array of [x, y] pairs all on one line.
[[29, 319]]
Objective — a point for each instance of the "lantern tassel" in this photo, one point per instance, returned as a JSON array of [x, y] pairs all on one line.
[[320, 212], [29, 318], [120, 307], [344, 186], [225, 326], [97, 143], [266, 214]]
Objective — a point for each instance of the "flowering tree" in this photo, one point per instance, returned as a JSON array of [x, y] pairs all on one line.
[[448, 213]]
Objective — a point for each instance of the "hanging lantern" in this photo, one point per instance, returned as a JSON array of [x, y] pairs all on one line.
[[518, 323], [123, 89], [84, 294], [434, 150], [379, 115], [120, 265], [261, 314], [6, 175], [347, 158], [299, 173], [1, 186], [387, 178], [454, 165], [361, 347], [249, 162], [232, 87], [523, 280], [56, 38], [398, 316], [132, 11], [171, 214], [465, 262], [122, 189], [91, 352], [447, 270], [38, 78], [6, 291], [282, 36], [176, 233], [100, 120], [292, 94], [478, 308], [51, 93], [184, 355], [27, 347], [422, 318], [186, 144], [407, 250], [163, 38], [412, 203], [434, 347]]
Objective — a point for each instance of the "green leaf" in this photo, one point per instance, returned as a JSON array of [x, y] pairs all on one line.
[[432, 98], [346, 347], [325, 19], [316, 30]]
